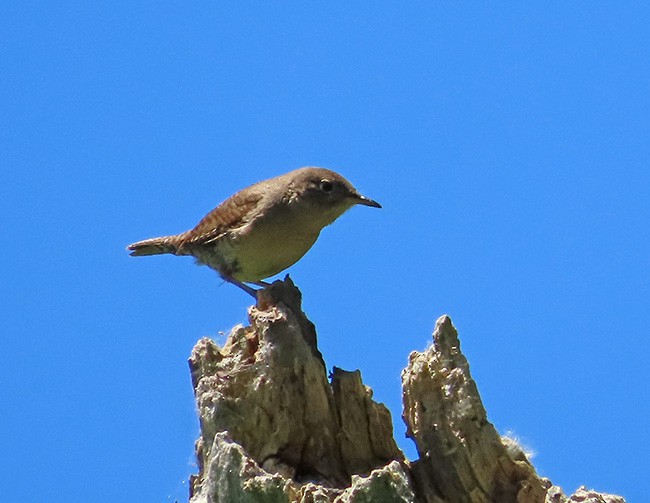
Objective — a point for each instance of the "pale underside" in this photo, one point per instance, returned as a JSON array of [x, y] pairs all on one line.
[[264, 244], [253, 256]]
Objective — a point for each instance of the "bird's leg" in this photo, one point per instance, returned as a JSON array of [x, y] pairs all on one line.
[[249, 290]]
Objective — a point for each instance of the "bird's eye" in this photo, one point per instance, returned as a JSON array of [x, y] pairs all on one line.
[[326, 186]]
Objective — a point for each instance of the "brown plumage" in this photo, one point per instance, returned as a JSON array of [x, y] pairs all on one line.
[[264, 228]]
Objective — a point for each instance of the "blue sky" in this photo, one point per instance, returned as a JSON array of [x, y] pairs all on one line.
[[508, 145]]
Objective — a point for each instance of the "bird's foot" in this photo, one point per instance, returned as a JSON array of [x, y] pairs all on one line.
[[248, 289]]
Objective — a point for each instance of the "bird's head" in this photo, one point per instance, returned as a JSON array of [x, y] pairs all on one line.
[[325, 193]]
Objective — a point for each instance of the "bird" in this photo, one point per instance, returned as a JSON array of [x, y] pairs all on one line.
[[263, 229]]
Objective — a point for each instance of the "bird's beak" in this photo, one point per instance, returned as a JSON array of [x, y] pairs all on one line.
[[366, 201]]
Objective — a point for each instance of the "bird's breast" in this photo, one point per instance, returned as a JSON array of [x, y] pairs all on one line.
[[268, 246]]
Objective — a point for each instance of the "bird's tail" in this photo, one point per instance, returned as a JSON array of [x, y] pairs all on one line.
[[154, 246]]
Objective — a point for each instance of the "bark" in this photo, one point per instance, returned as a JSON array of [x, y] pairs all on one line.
[[274, 428]]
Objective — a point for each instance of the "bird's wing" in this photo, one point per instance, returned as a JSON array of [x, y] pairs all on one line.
[[232, 213]]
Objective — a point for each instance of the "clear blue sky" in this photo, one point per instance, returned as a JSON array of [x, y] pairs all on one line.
[[509, 146]]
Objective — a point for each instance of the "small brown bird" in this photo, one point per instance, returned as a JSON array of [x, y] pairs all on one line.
[[264, 228]]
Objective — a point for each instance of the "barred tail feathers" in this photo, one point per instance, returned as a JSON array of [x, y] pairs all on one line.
[[154, 246]]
